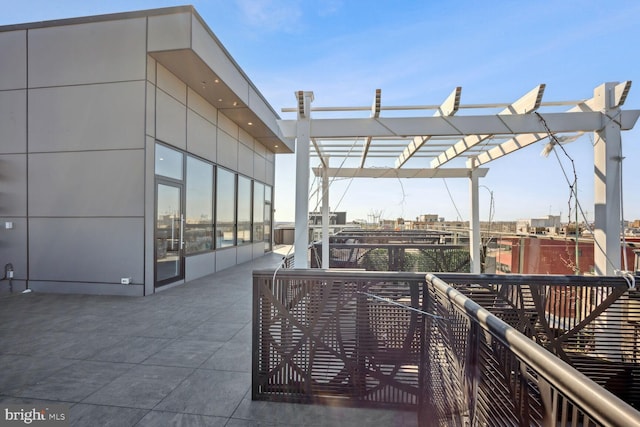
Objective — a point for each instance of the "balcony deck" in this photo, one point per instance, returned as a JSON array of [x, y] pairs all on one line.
[[179, 357]]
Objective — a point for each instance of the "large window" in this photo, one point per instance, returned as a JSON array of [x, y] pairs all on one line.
[[199, 209], [244, 210], [168, 162], [225, 208], [258, 211]]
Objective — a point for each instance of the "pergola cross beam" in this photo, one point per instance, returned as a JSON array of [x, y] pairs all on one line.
[[525, 105], [448, 108], [375, 113], [521, 141]]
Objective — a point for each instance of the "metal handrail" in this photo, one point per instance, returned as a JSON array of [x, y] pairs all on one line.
[[598, 403]]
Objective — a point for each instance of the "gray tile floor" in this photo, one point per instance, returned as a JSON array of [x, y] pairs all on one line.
[[181, 357]]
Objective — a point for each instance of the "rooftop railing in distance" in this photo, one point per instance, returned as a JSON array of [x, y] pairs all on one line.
[[394, 256], [394, 236], [478, 370]]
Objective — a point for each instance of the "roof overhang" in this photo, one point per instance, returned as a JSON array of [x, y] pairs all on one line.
[[242, 110]]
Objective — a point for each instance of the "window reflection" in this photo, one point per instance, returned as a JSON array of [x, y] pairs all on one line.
[[267, 216], [168, 162], [225, 208], [258, 212], [244, 210], [199, 210]]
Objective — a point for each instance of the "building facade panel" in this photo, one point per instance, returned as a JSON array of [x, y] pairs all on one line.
[[259, 168], [244, 254], [13, 196], [260, 149], [245, 138], [151, 110], [93, 183], [201, 136], [99, 250], [245, 160], [171, 126], [168, 32], [13, 69], [200, 105], [200, 265], [258, 250], [13, 247], [226, 258], [227, 125], [107, 51], [270, 174], [13, 121], [169, 83], [227, 150], [88, 117]]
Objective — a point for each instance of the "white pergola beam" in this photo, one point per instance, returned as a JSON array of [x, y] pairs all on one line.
[[448, 108], [620, 93], [375, 113], [520, 141], [319, 152], [303, 137], [525, 105], [401, 173], [403, 127]]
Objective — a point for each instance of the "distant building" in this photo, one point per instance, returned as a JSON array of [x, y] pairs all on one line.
[[315, 223], [428, 218], [546, 255], [546, 225], [335, 218]]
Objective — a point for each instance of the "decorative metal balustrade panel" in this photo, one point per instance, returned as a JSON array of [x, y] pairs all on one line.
[[592, 324], [396, 340], [318, 339], [486, 382]]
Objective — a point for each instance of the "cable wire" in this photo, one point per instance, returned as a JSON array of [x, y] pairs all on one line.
[[452, 201]]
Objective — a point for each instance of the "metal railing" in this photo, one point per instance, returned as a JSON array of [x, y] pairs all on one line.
[[397, 339], [590, 322], [481, 371], [404, 236], [320, 335]]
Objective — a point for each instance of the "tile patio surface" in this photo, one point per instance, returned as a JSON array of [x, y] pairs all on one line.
[[181, 357]]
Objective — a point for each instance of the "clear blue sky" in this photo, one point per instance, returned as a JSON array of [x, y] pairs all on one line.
[[417, 52]]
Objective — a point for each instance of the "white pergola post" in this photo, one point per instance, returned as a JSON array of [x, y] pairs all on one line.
[[607, 175], [303, 138], [325, 217], [474, 224]]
